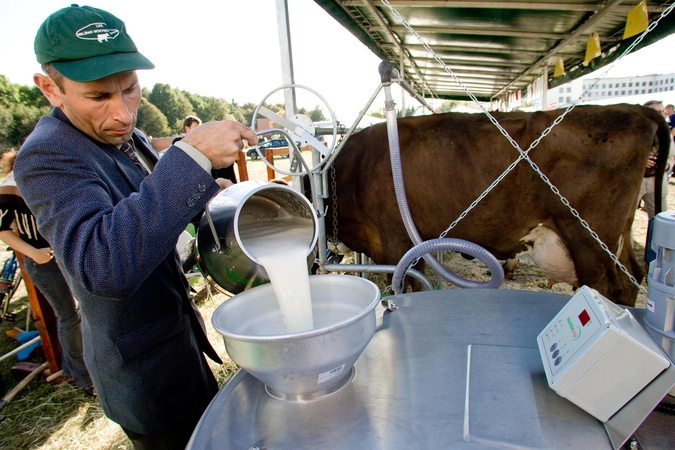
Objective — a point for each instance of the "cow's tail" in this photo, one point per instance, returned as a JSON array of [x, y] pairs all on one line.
[[665, 140]]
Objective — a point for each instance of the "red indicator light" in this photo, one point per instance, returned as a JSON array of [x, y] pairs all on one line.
[[584, 318]]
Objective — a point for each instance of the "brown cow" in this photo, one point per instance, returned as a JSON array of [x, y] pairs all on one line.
[[596, 157]]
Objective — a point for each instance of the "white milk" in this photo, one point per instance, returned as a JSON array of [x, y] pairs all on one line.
[[281, 247]]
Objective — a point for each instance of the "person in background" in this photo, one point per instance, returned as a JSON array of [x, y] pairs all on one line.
[[646, 194], [44, 272], [189, 123], [669, 112], [113, 213], [647, 188], [670, 118]]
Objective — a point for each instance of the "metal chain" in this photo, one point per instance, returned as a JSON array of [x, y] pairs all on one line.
[[333, 186], [525, 154]]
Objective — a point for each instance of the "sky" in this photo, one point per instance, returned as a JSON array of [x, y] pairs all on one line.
[[230, 49]]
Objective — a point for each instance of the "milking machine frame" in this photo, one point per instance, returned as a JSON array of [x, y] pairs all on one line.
[[300, 128], [322, 160]]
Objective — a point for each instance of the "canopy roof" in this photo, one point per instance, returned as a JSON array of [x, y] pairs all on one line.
[[494, 47]]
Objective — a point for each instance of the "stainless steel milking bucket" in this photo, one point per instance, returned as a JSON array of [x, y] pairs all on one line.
[[221, 254]]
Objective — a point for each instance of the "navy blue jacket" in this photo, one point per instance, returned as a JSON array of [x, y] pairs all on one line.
[[114, 233]]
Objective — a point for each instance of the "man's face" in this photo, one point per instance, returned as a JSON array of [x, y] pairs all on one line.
[[104, 109], [659, 107]]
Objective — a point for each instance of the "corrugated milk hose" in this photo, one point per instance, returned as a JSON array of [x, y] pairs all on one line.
[[469, 248]]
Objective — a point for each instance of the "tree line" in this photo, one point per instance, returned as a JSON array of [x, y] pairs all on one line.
[[160, 114]]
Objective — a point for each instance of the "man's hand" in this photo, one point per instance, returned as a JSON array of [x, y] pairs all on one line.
[[224, 183], [220, 141]]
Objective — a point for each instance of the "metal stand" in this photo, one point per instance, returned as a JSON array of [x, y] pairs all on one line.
[[622, 425]]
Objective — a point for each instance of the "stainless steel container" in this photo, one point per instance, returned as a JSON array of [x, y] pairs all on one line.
[[222, 256], [660, 312], [306, 364]]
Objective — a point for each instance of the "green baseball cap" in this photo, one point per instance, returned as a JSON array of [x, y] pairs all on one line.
[[86, 44]]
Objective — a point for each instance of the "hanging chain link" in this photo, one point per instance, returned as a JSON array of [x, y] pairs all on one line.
[[333, 185], [524, 155]]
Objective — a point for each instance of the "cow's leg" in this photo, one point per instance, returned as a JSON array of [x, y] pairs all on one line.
[[595, 268], [630, 261]]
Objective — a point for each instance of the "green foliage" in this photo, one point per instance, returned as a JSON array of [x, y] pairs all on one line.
[[173, 103], [380, 113], [25, 118], [17, 122], [449, 105], [316, 114], [409, 111], [151, 120], [212, 108], [160, 114], [9, 93], [32, 96], [249, 108]]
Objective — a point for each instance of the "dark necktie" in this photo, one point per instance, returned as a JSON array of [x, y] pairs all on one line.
[[129, 151]]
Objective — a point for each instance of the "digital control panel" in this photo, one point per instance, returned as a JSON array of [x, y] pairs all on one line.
[[567, 335], [597, 355]]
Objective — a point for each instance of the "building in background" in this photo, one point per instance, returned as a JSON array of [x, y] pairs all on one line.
[[614, 90]]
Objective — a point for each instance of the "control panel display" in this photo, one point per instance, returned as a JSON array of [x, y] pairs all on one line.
[[575, 325]]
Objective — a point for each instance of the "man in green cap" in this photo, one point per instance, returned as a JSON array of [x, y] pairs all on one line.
[[113, 213]]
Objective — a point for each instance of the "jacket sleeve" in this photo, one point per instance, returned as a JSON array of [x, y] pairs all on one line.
[[109, 229]]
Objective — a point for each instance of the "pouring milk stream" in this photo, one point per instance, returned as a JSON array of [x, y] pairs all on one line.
[[280, 246]]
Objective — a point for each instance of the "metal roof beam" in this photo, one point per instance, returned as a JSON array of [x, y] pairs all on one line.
[[472, 69], [394, 38], [595, 18], [476, 32], [470, 77], [487, 4], [474, 61], [468, 84], [484, 49]]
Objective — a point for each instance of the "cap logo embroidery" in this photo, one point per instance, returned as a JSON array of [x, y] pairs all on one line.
[[97, 32]]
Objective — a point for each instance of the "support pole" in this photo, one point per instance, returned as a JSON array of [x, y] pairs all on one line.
[[287, 75]]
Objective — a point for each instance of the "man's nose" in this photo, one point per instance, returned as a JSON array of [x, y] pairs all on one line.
[[119, 109]]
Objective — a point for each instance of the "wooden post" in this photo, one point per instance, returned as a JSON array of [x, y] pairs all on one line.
[[241, 165], [269, 156], [44, 318]]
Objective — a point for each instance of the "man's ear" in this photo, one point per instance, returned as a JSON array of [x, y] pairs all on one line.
[[48, 88]]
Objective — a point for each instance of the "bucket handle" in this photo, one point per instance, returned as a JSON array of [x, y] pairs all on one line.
[[216, 239]]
